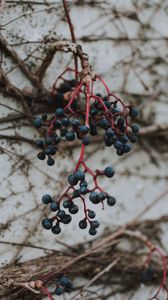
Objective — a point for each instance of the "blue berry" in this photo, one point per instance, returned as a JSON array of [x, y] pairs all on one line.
[[83, 129], [50, 161], [75, 123], [58, 291], [38, 123], [109, 172], [102, 196], [92, 231], [83, 184], [110, 133], [133, 112], [104, 123], [118, 145], [41, 155], [126, 148], [46, 199], [94, 224], [80, 175], [83, 190], [85, 140], [67, 203], [111, 201], [59, 112], [72, 179], [94, 197], [66, 219], [135, 128], [54, 206], [61, 213], [76, 193], [83, 224], [74, 209], [133, 138], [47, 223], [56, 229], [64, 281], [57, 124], [124, 139], [91, 214], [65, 121], [70, 135], [93, 131], [48, 140]]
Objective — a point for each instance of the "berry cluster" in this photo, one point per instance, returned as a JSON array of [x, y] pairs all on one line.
[[83, 116], [78, 188], [63, 285]]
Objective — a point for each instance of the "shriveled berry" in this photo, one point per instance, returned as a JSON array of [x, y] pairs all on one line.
[[74, 209], [41, 155]]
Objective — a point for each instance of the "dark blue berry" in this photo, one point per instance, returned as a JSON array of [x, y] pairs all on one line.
[[83, 129], [91, 214], [48, 140], [46, 199], [54, 206], [110, 133], [111, 201], [92, 231], [93, 131], [118, 145], [67, 203], [94, 224], [126, 148], [76, 193], [133, 138], [83, 184], [57, 124], [59, 112], [64, 281], [75, 123], [135, 128], [133, 112], [102, 196], [83, 224], [109, 172], [58, 291], [74, 209], [70, 135], [47, 223], [85, 140], [65, 121], [61, 213], [124, 139], [83, 190], [38, 123], [50, 161], [104, 123], [94, 197], [80, 175], [120, 152], [66, 219], [72, 179], [56, 229], [41, 155]]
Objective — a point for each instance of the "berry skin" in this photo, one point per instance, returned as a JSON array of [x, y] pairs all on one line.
[[73, 180], [65, 121], [67, 203], [111, 201], [83, 184], [64, 281], [70, 136], [47, 223], [58, 291], [91, 214], [126, 148], [66, 219], [92, 231], [59, 112], [118, 145], [95, 224], [83, 224], [38, 123], [94, 198], [54, 206], [103, 123], [46, 199], [76, 193], [56, 229], [83, 129], [133, 112], [74, 209], [135, 128], [79, 175], [85, 140], [83, 190], [109, 172], [61, 214], [102, 196], [75, 123], [41, 155], [124, 139], [110, 133], [50, 161]]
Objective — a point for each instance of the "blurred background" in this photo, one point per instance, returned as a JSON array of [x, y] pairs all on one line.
[[127, 42]]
